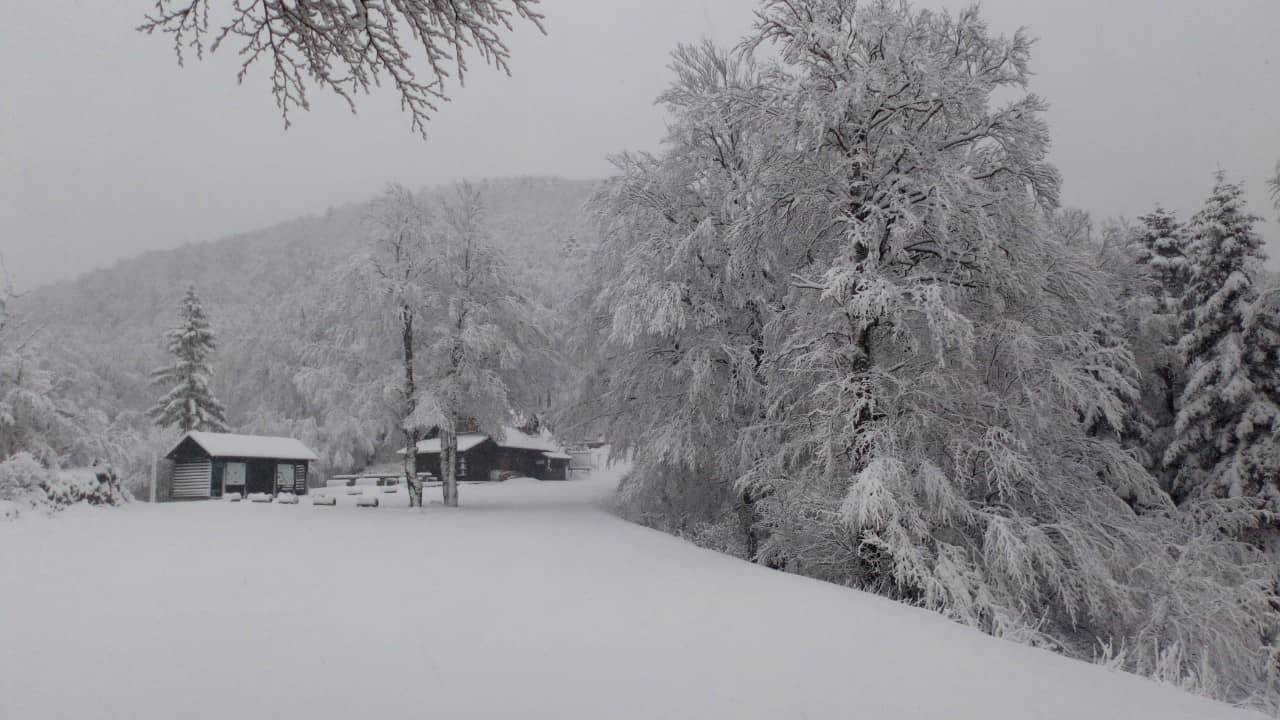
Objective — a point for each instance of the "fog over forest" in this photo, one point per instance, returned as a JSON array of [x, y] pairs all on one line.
[[1147, 98]]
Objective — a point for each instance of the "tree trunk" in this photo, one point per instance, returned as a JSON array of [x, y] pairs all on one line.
[[449, 464], [412, 485], [449, 435], [410, 404]]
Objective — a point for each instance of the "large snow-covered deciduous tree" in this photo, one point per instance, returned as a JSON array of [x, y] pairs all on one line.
[[34, 417], [41, 429], [477, 331], [401, 259], [683, 287], [415, 46], [1227, 441], [189, 403], [843, 330]]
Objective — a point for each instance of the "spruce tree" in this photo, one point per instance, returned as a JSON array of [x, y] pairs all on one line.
[[189, 404], [1224, 441], [1161, 245]]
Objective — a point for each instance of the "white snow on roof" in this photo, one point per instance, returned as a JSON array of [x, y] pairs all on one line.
[[466, 441], [557, 456], [250, 446], [512, 438]]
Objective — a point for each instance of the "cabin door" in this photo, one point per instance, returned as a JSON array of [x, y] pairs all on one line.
[[260, 476]]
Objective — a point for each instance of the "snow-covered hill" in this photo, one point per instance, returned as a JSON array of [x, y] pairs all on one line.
[[270, 296], [529, 601]]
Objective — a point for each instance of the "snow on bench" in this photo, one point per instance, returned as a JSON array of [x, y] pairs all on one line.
[[234, 497], [260, 497], [287, 499], [324, 500], [367, 501]]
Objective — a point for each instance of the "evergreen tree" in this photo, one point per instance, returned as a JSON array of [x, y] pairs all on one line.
[[189, 404], [1161, 246], [1228, 416]]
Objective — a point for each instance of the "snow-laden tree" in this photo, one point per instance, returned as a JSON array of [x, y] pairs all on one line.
[[1227, 436], [40, 429], [1157, 280], [189, 403], [477, 332], [416, 46], [401, 259], [682, 287], [838, 311], [1160, 242], [37, 416]]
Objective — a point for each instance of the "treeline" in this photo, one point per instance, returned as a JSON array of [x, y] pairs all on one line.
[[844, 328], [299, 352]]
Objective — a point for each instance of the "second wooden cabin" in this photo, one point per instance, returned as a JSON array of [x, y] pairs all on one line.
[[482, 457]]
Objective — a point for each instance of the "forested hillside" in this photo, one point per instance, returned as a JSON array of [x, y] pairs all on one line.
[[292, 331]]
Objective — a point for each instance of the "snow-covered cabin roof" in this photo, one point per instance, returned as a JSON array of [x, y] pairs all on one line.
[[249, 446], [512, 438], [466, 441], [515, 438]]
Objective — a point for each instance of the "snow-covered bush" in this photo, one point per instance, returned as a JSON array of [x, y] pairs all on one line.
[[26, 485], [21, 475], [93, 485]]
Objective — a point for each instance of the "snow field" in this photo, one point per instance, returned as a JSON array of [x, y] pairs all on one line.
[[527, 601]]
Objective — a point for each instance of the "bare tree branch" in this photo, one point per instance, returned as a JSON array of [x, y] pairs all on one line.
[[350, 46]]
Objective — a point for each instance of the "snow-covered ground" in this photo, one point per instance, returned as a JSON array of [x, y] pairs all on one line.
[[529, 601]]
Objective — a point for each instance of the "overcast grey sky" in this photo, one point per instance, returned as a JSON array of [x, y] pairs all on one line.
[[107, 148]]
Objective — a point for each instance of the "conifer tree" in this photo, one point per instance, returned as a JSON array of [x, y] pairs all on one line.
[[189, 404], [1158, 247], [1229, 412], [1161, 246]]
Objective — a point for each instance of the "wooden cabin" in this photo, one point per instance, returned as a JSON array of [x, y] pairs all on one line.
[[481, 457], [211, 465]]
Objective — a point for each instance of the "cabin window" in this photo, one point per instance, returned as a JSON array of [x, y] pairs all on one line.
[[462, 465], [284, 477], [233, 477]]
